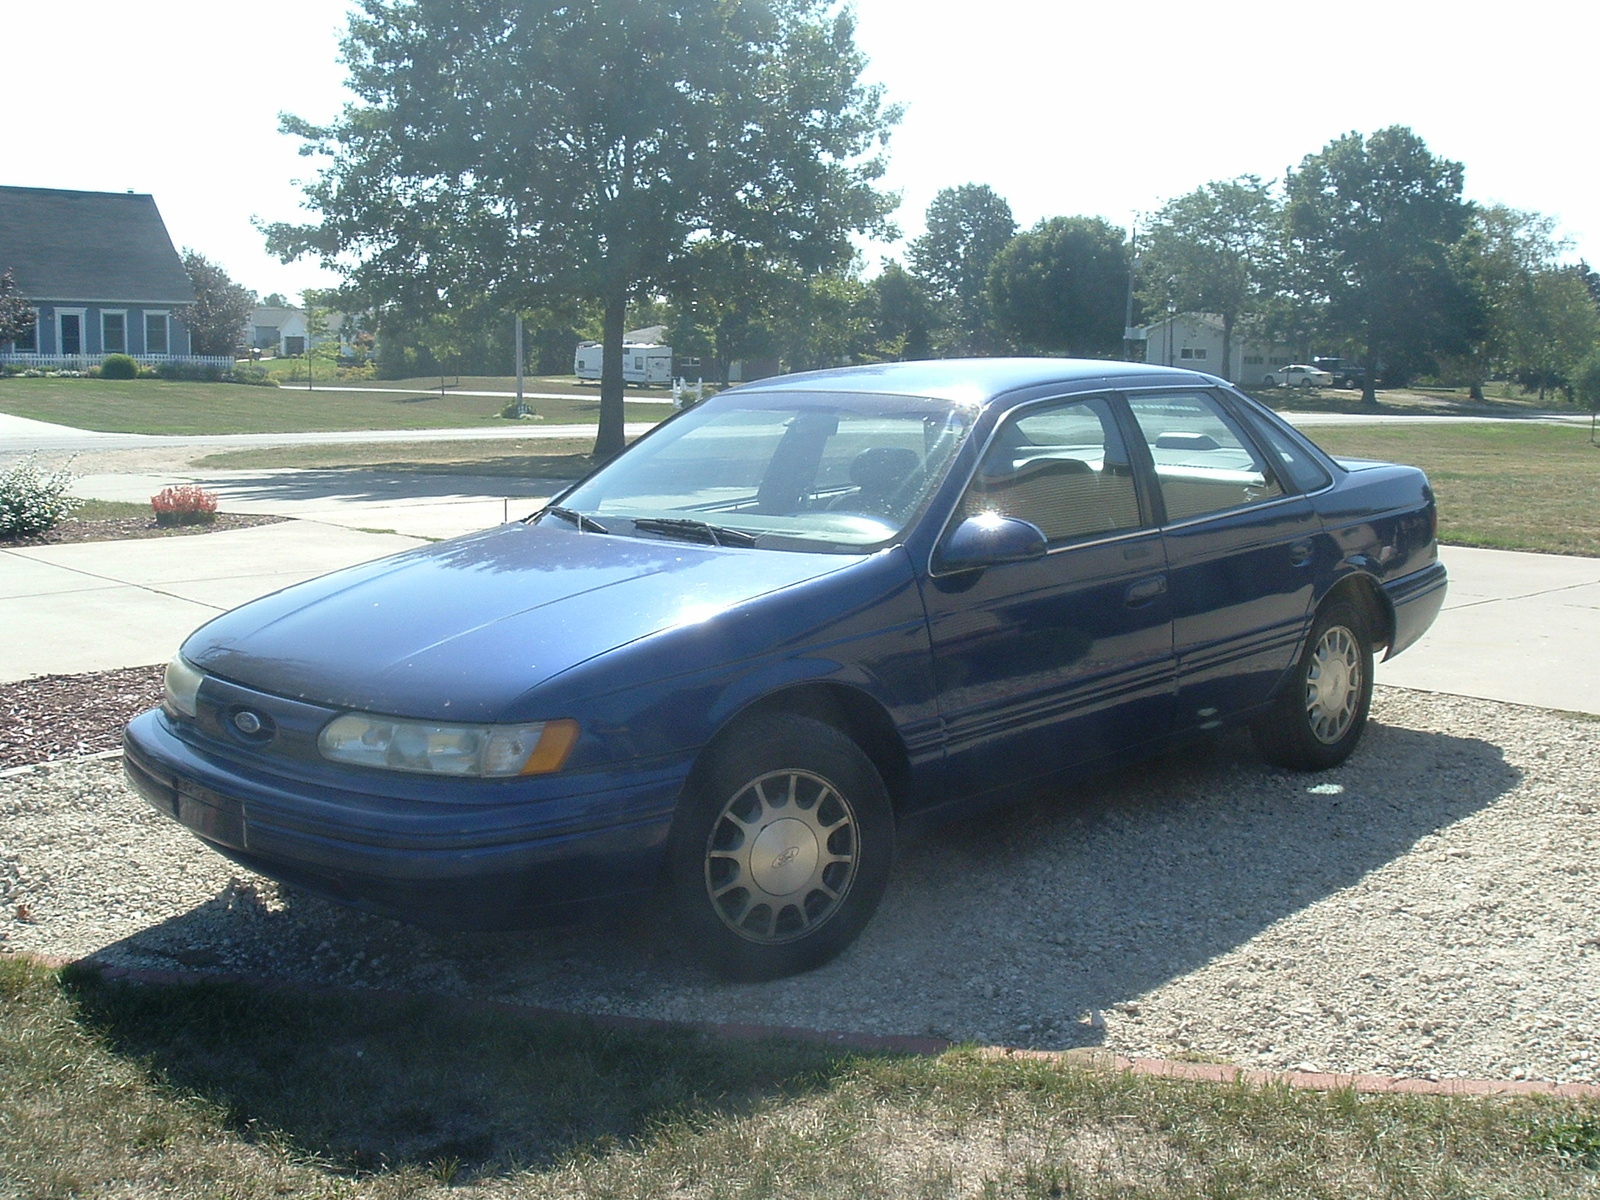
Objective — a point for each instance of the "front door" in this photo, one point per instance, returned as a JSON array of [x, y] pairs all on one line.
[[1046, 664], [71, 333]]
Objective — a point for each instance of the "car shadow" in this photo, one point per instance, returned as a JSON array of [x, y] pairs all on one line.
[[1016, 927]]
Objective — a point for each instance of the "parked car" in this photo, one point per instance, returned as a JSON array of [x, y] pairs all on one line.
[[1298, 375], [786, 628], [1344, 376]]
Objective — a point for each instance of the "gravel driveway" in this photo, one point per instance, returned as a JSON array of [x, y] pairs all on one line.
[[1428, 909]]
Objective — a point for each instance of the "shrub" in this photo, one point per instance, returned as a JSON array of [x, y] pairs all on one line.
[[252, 373], [194, 372], [184, 505], [118, 366], [31, 501]]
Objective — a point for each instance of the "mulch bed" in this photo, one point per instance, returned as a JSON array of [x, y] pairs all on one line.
[[114, 529], [63, 716]]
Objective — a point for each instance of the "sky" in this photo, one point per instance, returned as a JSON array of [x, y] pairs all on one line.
[[1102, 110]]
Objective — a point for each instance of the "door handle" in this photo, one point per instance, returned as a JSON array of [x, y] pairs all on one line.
[[1145, 590]]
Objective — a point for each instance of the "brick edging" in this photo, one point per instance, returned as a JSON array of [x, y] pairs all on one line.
[[1089, 1059]]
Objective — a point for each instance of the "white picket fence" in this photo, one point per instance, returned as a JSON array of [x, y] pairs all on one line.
[[80, 362]]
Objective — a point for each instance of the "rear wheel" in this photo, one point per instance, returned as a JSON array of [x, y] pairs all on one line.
[[782, 847], [1318, 719]]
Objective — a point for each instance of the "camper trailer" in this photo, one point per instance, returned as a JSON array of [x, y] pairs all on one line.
[[643, 364]]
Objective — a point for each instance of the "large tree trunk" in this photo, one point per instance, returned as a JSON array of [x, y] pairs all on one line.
[[609, 438], [1369, 381], [1227, 347]]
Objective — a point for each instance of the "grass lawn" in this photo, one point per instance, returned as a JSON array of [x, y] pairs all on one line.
[[1505, 486], [111, 1089], [162, 406]]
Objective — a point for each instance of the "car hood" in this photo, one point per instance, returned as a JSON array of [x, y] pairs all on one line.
[[461, 629]]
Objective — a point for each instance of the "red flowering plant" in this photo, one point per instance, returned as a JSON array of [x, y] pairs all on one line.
[[184, 505]]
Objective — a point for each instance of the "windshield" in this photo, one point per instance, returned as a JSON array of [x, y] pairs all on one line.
[[779, 470]]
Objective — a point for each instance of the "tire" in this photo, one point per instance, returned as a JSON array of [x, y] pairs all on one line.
[[781, 848], [1318, 718], [1270, 381]]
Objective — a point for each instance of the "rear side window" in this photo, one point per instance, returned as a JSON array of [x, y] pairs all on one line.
[[1295, 461], [1203, 461]]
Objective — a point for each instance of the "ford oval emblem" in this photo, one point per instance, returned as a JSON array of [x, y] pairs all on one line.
[[247, 723]]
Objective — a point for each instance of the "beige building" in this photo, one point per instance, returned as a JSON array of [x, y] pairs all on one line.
[[1194, 340]]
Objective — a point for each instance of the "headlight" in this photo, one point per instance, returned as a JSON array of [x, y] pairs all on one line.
[[182, 687], [495, 751]]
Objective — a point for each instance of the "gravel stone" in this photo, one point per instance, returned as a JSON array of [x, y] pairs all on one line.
[[1426, 909]]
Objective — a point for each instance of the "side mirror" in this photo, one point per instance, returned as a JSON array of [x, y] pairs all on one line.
[[988, 539]]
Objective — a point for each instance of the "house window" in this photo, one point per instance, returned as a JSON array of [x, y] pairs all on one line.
[[1191, 352], [114, 332], [294, 345], [28, 343], [1253, 360], [155, 333]]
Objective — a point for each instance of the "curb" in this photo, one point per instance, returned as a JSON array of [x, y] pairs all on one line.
[[1085, 1059]]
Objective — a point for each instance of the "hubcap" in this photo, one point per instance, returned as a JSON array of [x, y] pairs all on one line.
[[1333, 685], [781, 856]]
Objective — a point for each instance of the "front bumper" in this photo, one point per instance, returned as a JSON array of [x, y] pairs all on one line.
[[483, 857]]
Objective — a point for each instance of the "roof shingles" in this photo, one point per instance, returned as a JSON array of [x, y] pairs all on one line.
[[89, 246]]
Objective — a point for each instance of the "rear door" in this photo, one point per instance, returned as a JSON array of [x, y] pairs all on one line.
[[1046, 664], [1240, 546]]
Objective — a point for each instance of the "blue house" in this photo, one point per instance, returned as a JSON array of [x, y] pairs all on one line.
[[100, 272]]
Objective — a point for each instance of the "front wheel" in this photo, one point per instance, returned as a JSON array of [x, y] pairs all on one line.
[[781, 849], [1318, 719]]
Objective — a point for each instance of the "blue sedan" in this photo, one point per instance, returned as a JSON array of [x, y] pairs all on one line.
[[784, 629]]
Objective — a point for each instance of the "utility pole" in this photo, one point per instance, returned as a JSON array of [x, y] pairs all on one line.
[[522, 409]]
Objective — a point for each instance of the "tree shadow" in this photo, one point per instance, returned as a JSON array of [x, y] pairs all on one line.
[[370, 1083]]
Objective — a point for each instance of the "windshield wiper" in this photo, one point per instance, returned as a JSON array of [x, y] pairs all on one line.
[[584, 523], [717, 535]]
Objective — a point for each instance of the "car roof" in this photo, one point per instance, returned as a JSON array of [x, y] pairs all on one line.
[[981, 379]]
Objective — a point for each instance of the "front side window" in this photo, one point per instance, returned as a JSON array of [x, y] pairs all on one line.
[[1061, 466], [114, 332], [1202, 459], [828, 472]]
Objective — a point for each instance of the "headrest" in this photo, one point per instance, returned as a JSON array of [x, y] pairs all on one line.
[[878, 467]]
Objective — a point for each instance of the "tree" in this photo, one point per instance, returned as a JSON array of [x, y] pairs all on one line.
[[1215, 250], [905, 313], [967, 227], [524, 152], [1372, 222], [17, 317], [1508, 258], [1556, 329], [1062, 286], [220, 315]]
